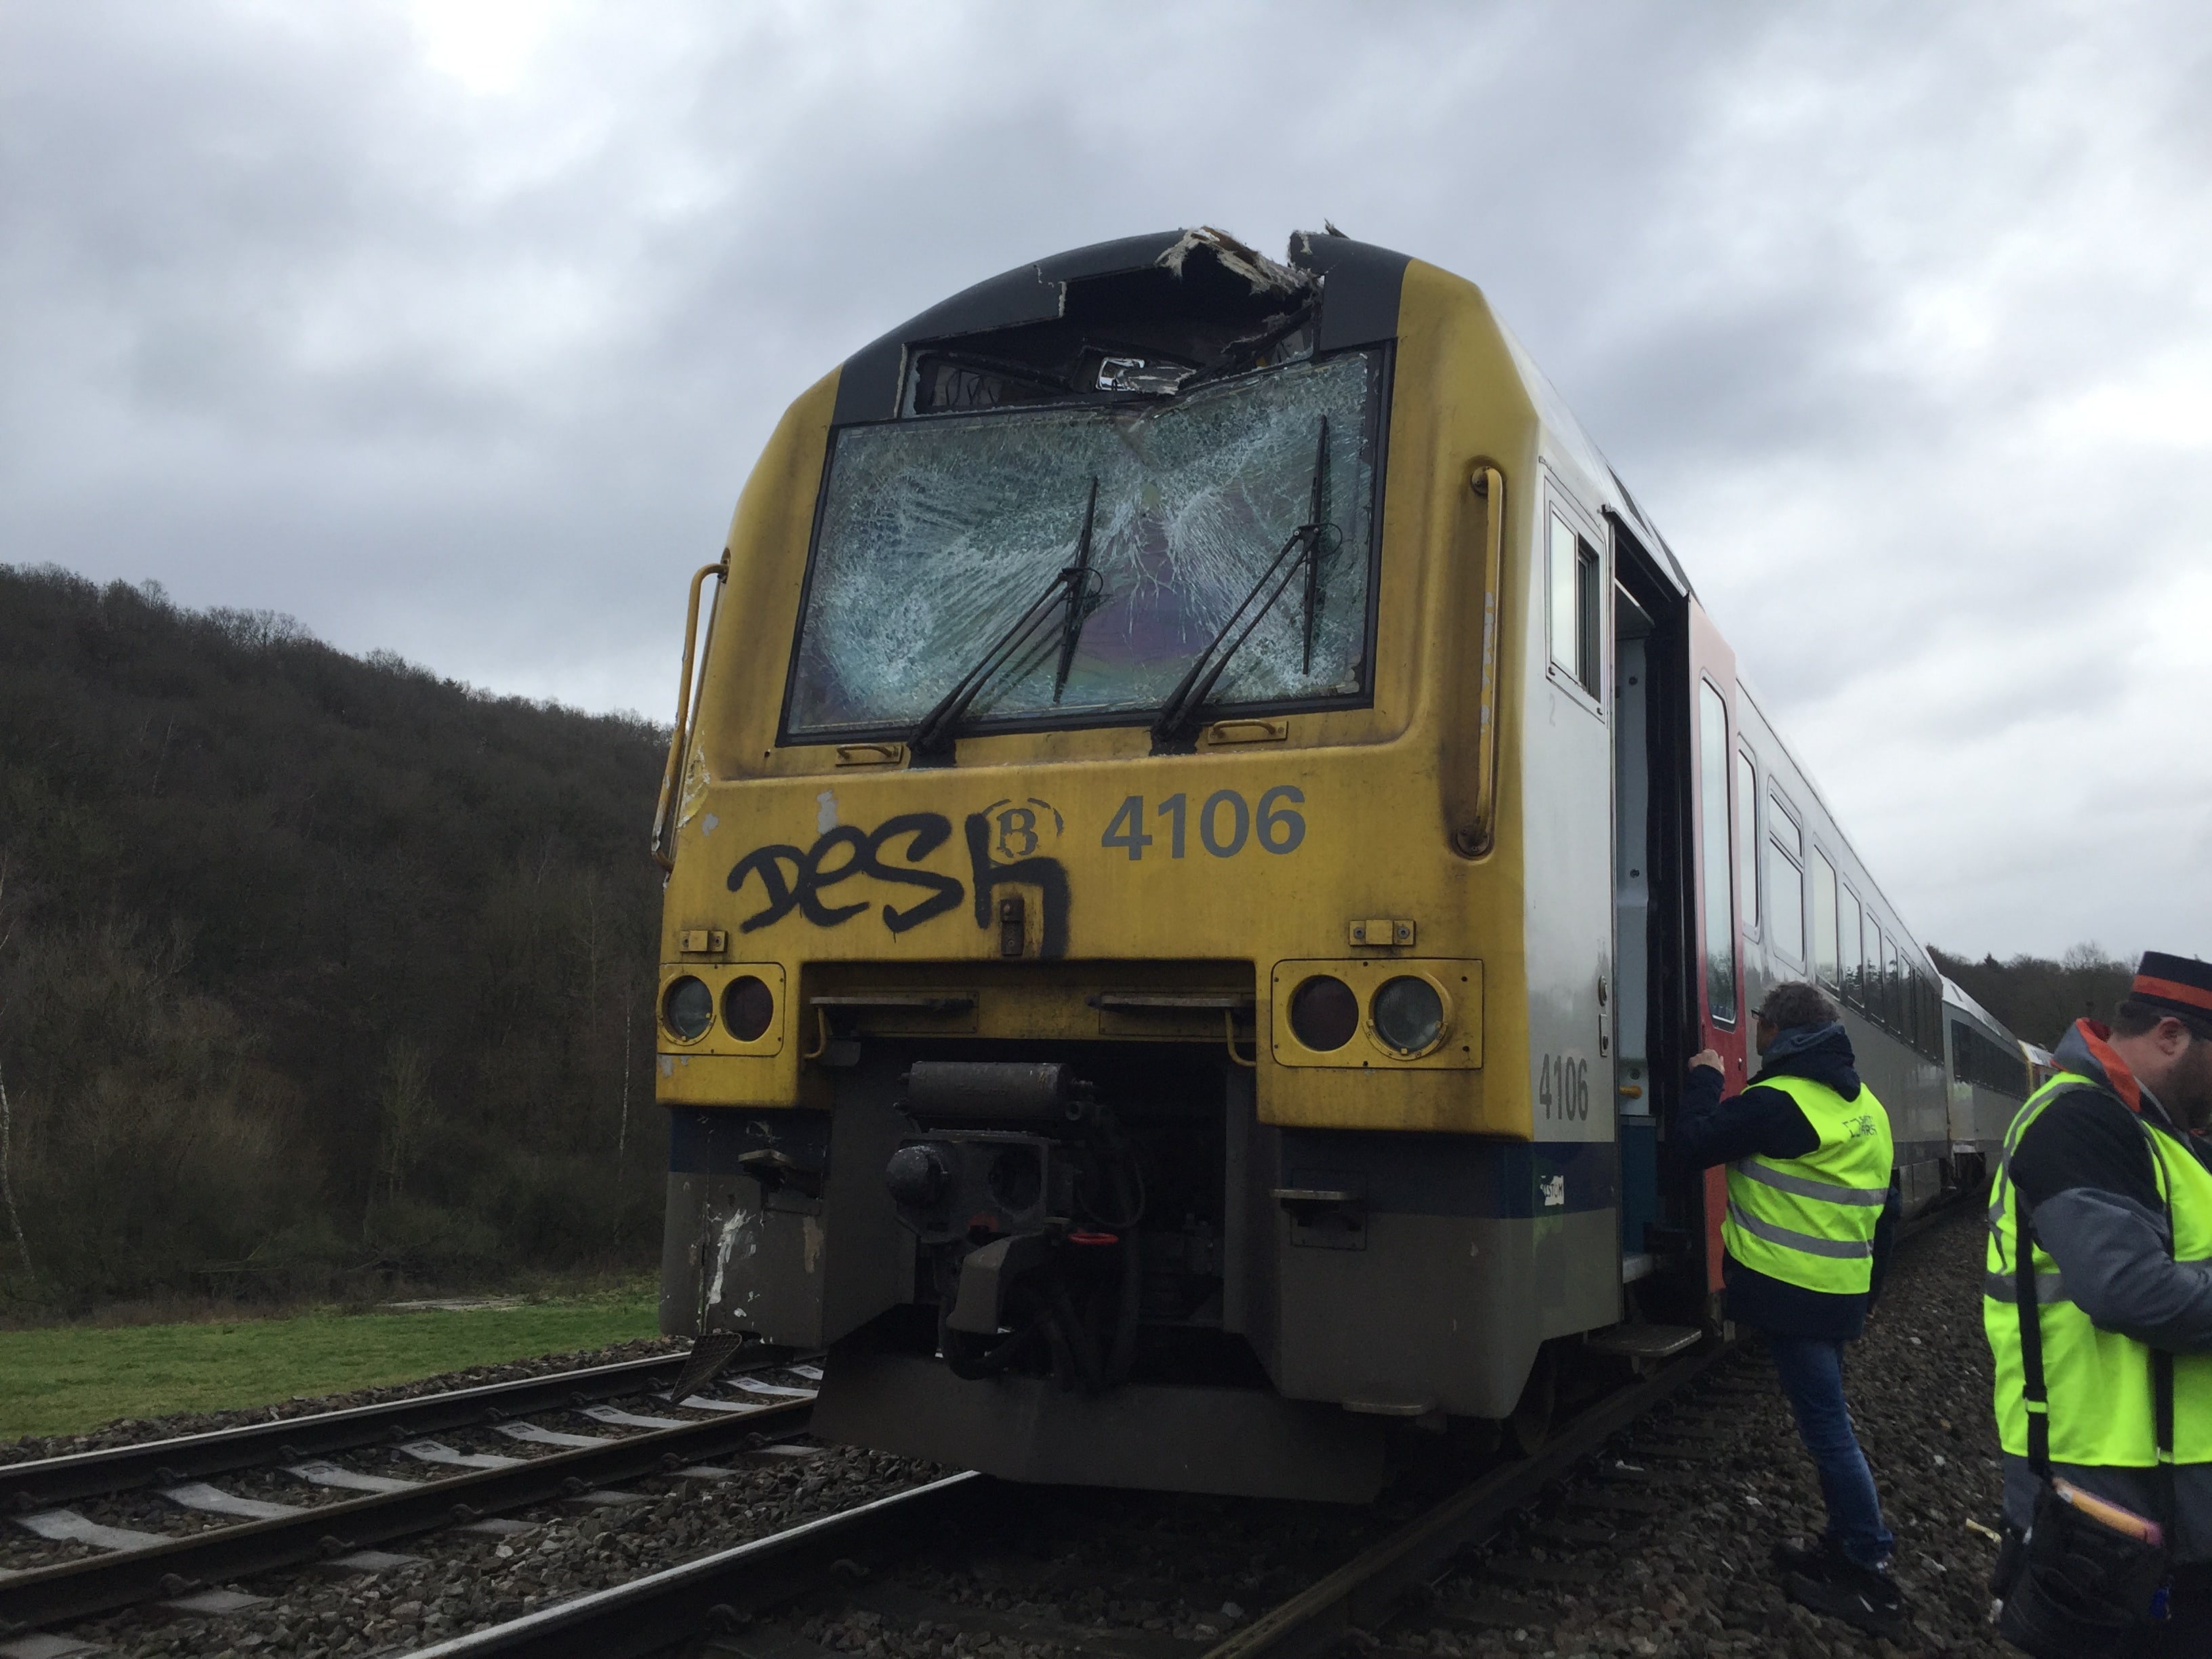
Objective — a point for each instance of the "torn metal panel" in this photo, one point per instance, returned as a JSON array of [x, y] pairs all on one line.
[[1265, 276]]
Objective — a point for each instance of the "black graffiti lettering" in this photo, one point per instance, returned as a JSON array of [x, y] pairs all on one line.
[[802, 889], [1048, 875], [929, 831], [766, 863]]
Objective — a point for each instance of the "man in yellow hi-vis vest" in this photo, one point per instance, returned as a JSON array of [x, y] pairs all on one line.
[[2104, 1168], [1812, 1207]]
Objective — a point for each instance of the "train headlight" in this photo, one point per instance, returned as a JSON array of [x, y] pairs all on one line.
[[1409, 1015], [748, 1008], [1324, 1013], [687, 1008]]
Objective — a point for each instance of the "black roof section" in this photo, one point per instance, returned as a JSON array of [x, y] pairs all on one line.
[[1358, 289]]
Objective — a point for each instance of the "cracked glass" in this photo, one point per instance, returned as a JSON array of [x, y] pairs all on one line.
[[937, 533]]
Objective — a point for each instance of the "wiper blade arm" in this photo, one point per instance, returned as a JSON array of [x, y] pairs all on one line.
[[1306, 543], [1079, 609], [1074, 586]]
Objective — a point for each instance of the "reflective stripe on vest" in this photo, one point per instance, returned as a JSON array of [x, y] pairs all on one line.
[[1809, 1221], [2099, 1381]]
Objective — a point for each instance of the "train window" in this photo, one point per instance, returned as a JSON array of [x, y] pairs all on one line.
[[1826, 967], [1747, 841], [1854, 950], [1892, 986], [1575, 605], [932, 534], [1713, 863], [1782, 825], [1870, 973], [1786, 881], [1977, 1060]]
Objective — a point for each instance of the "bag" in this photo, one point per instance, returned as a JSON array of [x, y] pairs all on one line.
[[2081, 1590], [2089, 1581]]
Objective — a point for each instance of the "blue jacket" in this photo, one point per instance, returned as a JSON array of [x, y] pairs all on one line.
[[1708, 1130]]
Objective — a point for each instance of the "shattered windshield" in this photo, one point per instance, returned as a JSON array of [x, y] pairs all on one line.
[[935, 533]]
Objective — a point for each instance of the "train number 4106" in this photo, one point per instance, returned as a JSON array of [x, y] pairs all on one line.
[[1563, 1088], [1225, 823]]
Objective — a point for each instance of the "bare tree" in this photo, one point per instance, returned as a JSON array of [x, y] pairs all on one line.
[[404, 1098]]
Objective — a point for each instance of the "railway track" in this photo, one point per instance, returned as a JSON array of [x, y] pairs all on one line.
[[711, 1605], [344, 1511]]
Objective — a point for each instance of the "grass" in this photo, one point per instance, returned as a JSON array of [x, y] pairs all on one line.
[[67, 1379]]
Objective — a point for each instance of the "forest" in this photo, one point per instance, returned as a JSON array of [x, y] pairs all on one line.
[[2038, 1000], [317, 974]]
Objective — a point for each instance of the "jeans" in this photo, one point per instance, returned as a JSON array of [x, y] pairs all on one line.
[[1812, 1372]]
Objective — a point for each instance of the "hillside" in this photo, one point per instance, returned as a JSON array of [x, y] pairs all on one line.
[[2036, 998], [314, 970]]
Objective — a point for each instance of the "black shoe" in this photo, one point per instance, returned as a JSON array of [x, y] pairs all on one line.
[[1791, 1556], [1866, 1597]]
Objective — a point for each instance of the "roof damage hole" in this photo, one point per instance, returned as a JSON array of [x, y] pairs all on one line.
[[1209, 307]]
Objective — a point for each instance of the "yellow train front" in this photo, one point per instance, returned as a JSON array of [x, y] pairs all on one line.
[[1141, 980]]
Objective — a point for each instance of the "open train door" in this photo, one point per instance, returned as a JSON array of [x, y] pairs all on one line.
[[1676, 960]]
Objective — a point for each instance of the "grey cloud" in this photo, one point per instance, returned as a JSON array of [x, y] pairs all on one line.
[[295, 317]]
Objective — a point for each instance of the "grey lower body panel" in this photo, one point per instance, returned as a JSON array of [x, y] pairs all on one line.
[[1235, 1441]]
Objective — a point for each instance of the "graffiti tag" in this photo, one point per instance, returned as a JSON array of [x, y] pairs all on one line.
[[1003, 842], [813, 871]]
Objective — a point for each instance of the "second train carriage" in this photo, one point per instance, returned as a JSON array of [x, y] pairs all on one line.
[[1210, 828], [1990, 1073]]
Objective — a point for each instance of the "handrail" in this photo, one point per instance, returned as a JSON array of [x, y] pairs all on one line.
[[1477, 838], [664, 827]]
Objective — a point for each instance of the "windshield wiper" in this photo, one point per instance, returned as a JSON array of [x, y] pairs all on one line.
[[1071, 627], [1075, 588], [1307, 543]]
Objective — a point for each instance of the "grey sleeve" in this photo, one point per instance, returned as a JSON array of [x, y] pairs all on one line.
[[2112, 1253]]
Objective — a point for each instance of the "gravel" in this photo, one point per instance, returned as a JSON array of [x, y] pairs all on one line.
[[1164, 1575], [1695, 1581], [467, 1580]]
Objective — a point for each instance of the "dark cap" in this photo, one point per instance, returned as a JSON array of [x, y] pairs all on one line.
[[2181, 986]]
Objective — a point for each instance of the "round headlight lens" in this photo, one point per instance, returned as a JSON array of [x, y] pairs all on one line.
[[1324, 1013], [747, 1007], [1409, 1015], [688, 1008]]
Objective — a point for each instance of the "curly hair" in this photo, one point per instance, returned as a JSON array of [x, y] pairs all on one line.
[[1794, 1002]]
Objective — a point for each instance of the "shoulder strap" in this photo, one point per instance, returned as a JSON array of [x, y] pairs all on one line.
[[2029, 1307], [2162, 1362]]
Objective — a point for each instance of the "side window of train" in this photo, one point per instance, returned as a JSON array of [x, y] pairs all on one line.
[[1893, 985], [1854, 945], [1576, 611], [1747, 841], [1827, 967], [1785, 880], [1713, 862], [1877, 1008]]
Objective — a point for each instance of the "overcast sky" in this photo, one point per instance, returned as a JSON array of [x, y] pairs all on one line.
[[453, 329]]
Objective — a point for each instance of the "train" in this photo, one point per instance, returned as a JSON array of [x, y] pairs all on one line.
[[1990, 1073], [1203, 825]]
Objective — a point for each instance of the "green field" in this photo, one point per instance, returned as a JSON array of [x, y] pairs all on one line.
[[67, 1379]]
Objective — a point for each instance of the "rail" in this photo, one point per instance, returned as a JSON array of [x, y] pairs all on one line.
[[46, 1481], [716, 1591]]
